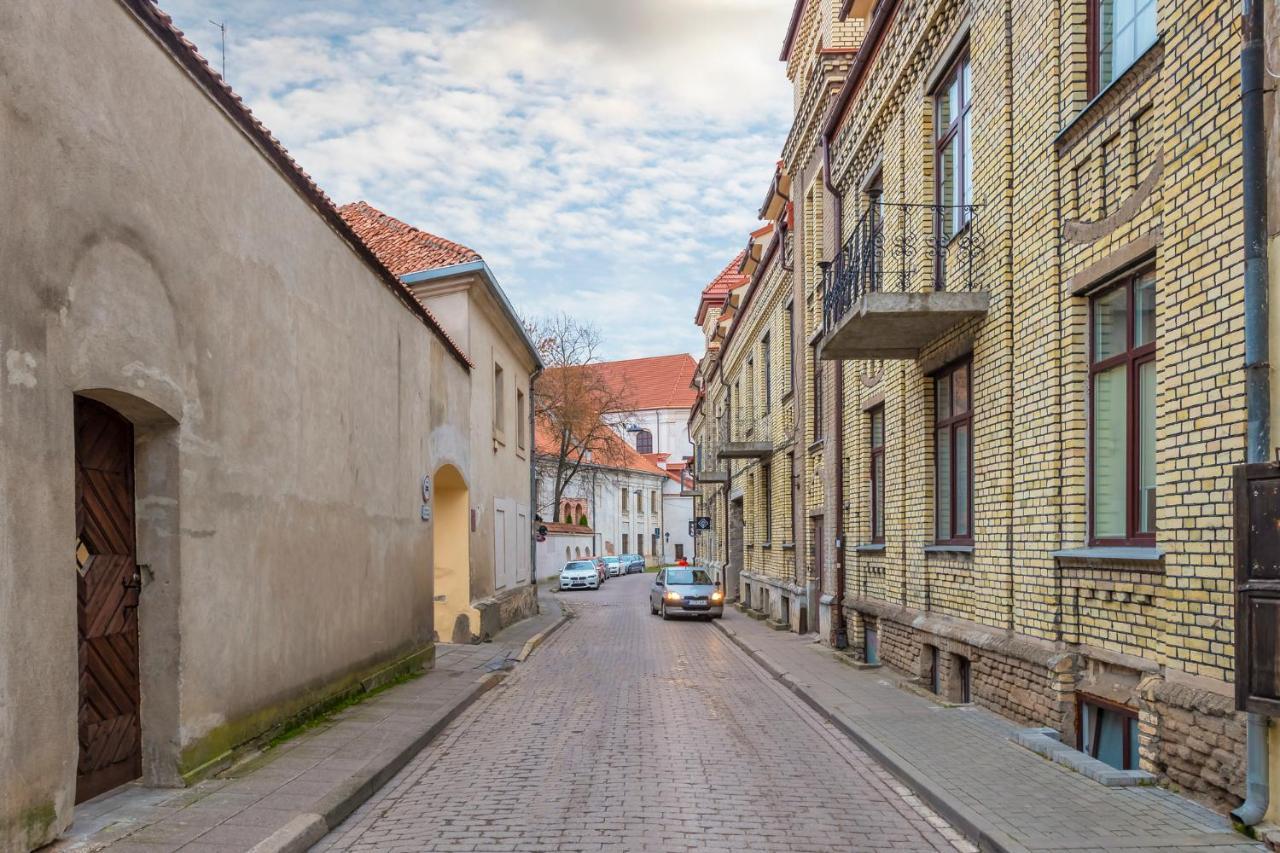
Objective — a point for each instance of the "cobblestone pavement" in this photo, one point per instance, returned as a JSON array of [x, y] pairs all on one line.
[[624, 732]]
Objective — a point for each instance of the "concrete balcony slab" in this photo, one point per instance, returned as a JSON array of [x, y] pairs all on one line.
[[899, 325]]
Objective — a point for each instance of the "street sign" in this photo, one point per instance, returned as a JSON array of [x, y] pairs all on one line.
[[704, 522]]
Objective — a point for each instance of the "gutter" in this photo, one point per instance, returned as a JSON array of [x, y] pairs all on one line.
[[1256, 339], [533, 484], [491, 281], [839, 626]]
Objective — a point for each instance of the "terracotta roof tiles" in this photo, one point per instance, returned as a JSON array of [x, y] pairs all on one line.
[[403, 248]]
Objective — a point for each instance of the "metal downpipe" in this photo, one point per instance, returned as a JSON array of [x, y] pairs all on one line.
[[1256, 341]]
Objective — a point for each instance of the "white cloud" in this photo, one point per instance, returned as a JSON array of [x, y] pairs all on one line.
[[605, 157]]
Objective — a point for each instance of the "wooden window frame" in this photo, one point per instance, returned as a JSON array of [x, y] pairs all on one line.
[[955, 132], [766, 491], [1093, 47], [952, 424], [1124, 711], [818, 401], [649, 435], [1133, 358], [876, 453]]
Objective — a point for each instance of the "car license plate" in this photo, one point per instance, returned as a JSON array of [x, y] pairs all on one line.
[[695, 602]]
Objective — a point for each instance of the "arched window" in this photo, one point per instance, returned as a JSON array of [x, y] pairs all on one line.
[[644, 441], [567, 553], [577, 552]]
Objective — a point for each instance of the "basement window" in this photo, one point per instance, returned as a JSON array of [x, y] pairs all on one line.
[[1108, 732], [871, 643]]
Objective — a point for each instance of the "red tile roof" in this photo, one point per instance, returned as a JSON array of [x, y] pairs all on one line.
[[562, 527], [403, 248], [161, 26], [730, 278], [656, 382], [615, 454]]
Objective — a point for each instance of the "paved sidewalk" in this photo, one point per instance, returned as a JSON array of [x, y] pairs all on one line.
[[290, 796], [961, 761]]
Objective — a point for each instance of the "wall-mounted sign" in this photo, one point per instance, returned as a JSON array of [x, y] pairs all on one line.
[[703, 522], [426, 488], [426, 512]]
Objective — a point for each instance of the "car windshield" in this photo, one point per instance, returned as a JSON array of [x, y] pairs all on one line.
[[611, 559], [680, 577], [580, 566]]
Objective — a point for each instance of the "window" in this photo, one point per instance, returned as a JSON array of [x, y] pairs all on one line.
[[817, 395], [679, 551], [766, 358], [1119, 32], [521, 417], [953, 151], [1122, 412], [788, 335], [644, 441], [953, 455], [499, 399], [964, 674], [1108, 732], [870, 642], [626, 543], [653, 502], [933, 669], [766, 472], [877, 474]]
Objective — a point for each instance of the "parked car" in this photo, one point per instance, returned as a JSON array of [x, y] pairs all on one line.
[[613, 566], [601, 569], [633, 563], [685, 591], [579, 574]]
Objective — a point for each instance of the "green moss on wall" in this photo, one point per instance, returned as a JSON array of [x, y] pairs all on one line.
[[31, 827], [218, 747]]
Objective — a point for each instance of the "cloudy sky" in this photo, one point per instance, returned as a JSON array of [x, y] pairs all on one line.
[[606, 157]]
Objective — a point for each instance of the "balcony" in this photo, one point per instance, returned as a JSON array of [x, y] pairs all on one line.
[[711, 477], [895, 287], [746, 436]]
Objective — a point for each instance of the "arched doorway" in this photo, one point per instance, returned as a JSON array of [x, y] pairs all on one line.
[[109, 725], [455, 619]]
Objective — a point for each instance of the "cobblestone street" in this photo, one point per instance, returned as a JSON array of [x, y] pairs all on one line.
[[624, 732]]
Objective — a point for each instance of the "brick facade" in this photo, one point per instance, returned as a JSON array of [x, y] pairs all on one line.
[[1071, 191]]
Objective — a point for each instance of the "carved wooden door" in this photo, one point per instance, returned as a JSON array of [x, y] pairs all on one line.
[[107, 588]]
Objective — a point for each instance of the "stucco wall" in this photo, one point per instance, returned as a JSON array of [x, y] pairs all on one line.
[[286, 403]]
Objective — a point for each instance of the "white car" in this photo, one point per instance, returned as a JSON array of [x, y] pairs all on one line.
[[580, 574]]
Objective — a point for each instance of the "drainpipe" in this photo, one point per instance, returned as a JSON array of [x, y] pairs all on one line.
[[533, 488], [840, 629], [1256, 336]]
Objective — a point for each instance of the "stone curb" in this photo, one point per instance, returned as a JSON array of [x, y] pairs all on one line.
[[976, 828], [304, 830], [542, 636]]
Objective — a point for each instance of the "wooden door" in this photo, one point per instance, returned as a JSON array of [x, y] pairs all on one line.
[[107, 588]]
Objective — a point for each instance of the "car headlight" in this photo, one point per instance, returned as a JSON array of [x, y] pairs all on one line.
[[673, 596], [717, 597]]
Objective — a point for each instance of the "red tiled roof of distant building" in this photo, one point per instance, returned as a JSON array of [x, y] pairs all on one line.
[[730, 278], [563, 527], [656, 382], [403, 248], [614, 453]]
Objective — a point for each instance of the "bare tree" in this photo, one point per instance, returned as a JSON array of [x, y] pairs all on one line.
[[576, 407]]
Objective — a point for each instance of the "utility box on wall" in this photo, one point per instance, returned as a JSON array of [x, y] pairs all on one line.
[[1257, 558]]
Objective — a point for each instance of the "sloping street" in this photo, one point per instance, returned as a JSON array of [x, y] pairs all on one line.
[[624, 732]]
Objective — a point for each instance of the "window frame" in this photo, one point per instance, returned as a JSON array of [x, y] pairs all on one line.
[[876, 451], [521, 418], [1093, 45], [1123, 711], [956, 131], [766, 363], [951, 424], [818, 398], [647, 434], [1133, 358], [766, 492], [499, 400]]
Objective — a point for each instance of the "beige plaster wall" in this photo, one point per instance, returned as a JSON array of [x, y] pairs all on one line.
[[287, 407]]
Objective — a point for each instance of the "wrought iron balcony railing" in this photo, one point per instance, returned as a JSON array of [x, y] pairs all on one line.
[[902, 248]]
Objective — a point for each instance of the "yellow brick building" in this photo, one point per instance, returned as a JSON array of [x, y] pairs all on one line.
[[1008, 249]]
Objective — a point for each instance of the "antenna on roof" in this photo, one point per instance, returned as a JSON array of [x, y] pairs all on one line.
[[222, 27]]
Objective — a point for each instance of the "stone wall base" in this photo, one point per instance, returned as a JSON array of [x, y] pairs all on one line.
[[506, 608], [1189, 734], [785, 605]]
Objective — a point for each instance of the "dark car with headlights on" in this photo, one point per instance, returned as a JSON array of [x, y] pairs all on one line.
[[685, 591]]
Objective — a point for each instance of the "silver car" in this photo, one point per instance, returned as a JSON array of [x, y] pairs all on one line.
[[685, 591], [613, 566]]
